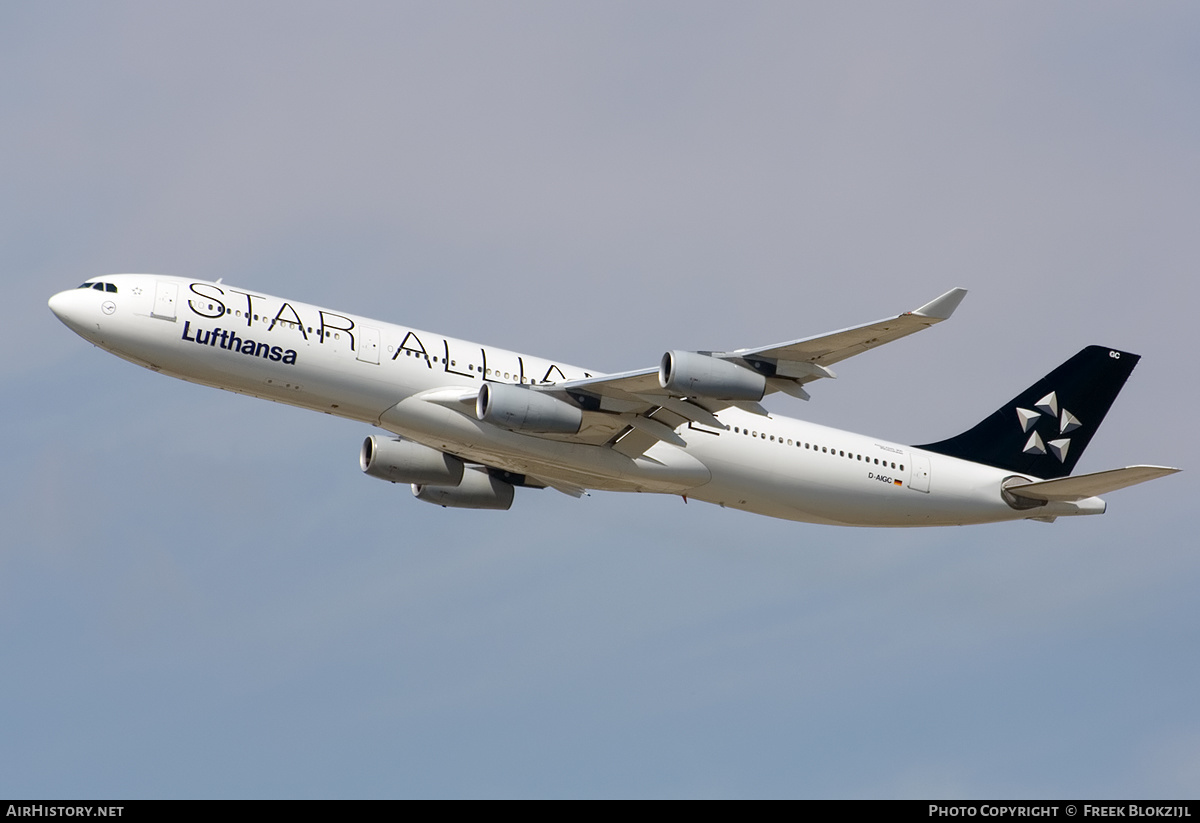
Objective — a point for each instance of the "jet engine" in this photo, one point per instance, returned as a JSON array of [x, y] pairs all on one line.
[[477, 490], [403, 461], [692, 373], [525, 410]]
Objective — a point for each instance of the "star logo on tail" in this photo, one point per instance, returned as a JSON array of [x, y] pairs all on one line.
[[1056, 423]]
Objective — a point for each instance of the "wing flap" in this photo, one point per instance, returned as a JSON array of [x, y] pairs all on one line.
[[569, 489], [686, 409], [634, 443], [657, 430]]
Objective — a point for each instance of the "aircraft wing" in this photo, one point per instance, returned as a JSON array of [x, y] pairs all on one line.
[[652, 411], [796, 361], [826, 349]]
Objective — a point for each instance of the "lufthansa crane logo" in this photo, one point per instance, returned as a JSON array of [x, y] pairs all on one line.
[[1057, 423]]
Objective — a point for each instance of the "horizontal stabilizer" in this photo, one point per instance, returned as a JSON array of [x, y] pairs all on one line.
[[1083, 486]]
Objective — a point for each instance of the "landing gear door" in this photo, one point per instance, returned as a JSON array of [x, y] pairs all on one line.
[[368, 344], [918, 480], [166, 295]]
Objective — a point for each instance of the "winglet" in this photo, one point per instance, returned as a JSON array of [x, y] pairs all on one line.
[[942, 307]]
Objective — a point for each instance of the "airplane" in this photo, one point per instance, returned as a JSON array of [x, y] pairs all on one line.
[[467, 423]]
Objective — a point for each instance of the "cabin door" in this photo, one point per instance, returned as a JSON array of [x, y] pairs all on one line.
[[368, 344], [166, 294], [918, 480]]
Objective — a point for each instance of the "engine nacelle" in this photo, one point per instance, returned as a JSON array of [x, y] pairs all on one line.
[[477, 490], [525, 410], [403, 461], [691, 373]]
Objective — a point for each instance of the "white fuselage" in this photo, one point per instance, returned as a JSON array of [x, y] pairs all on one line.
[[396, 378]]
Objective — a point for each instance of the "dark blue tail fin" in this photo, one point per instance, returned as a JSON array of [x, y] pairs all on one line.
[[1044, 429]]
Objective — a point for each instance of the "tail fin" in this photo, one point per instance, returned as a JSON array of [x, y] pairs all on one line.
[[1044, 429]]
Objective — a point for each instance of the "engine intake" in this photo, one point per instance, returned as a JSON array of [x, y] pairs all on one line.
[[692, 373], [477, 490], [525, 410], [403, 461]]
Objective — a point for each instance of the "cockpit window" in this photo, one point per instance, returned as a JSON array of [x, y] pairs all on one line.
[[104, 287], [109, 287], [98, 287], [87, 285]]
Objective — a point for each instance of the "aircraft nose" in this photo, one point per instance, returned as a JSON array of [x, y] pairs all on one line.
[[71, 307], [58, 305]]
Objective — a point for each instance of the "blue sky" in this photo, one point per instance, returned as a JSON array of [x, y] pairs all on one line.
[[202, 595]]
